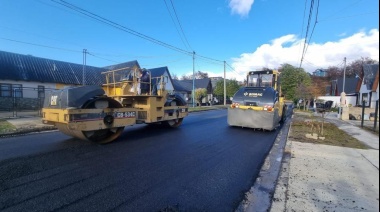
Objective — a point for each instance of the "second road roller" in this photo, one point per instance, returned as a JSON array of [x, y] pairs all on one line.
[[260, 104]]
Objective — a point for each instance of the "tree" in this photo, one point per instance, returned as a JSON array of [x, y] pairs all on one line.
[[291, 78], [303, 93], [352, 69], [355, 67], [232, 86], [185, 77], [201, 75], [200, 93], [334, 73], [175, 77], [317, 87], [197, 75]]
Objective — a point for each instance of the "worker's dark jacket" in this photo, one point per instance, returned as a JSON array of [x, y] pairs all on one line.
[[144, 85]]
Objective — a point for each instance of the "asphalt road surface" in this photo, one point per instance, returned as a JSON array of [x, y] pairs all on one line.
[[204, 165]]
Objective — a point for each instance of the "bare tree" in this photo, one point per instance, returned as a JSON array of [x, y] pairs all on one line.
[[186, 77], [334, 72], [175, 77], [355, 67], [201, 75]]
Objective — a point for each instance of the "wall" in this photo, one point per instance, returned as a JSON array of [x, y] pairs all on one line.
[[375, 95], [30, 88], [336, 99], [168, 84]]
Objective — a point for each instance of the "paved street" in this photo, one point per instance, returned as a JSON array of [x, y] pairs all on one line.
[[204, 165]]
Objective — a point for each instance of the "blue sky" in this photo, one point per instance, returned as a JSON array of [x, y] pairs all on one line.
[[247, 34]]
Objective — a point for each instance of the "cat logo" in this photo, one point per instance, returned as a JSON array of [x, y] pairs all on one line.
[[53, 100]]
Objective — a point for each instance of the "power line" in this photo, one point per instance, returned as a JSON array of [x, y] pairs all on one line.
[[35, 44], [307, 41], [120, 27], [312, 31], [307, 31], [174, 24], [303, 20], [180, 25], [102, 57], [126, 29], [351, 16], [209, 58], [335, 13], [232, 69]]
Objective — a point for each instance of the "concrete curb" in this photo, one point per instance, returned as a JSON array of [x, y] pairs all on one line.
[[259, 197]]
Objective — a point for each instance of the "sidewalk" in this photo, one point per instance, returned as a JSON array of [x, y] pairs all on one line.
[[318, 177], [24, 122]]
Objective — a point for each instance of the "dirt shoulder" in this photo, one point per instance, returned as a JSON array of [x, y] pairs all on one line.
[[313, 129]]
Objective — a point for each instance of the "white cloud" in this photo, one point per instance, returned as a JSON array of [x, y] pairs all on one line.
[[318, 55], [240, 7]]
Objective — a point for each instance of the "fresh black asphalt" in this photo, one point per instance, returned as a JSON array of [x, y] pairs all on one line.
[[204, 165]]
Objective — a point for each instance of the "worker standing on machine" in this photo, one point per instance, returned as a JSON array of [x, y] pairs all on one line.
[[145, 82]]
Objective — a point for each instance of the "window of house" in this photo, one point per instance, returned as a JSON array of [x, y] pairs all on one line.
[[5, 90], [17, 90], [365, 97], [10, 90]]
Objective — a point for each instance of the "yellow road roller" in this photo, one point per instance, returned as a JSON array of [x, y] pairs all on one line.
[[258, 105], [100, 113]]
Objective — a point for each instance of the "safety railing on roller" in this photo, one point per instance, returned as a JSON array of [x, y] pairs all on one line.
[[127, 81]]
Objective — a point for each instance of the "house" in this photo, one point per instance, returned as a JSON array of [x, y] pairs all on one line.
[[358, 89], [320, 73], [186, 87], [26, 71], [369, 85], [157, 73], [24, 79], [350, 88]]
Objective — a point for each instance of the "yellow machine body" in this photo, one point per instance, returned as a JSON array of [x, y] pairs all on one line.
[[100, 113]]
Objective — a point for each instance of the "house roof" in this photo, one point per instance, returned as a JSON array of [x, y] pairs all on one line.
[[158, 72], [350, 86], [21, 67], [371, 76], [179, 87], [214, 80], [187, 85], [127, 66]]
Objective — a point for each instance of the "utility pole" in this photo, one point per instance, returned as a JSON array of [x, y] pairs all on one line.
[[341, 110], [193, 78], [84, 67], [344, 74], [225, 95]]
